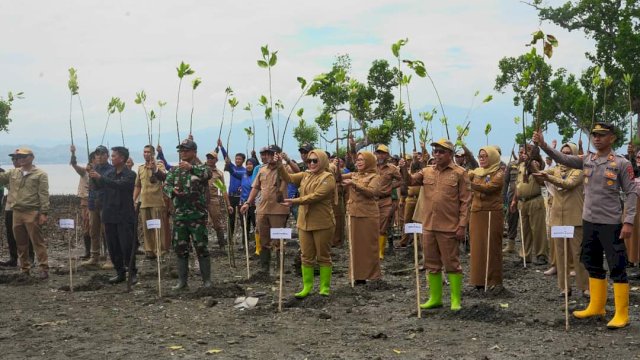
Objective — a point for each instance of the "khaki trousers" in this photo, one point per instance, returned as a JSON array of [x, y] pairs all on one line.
[[25, 226], [441, 250], [316, 246], [534, 227], [409, 208], [265, 223], [574, 247], [84, 214], [385, 206], [97, 232], [150, 238]]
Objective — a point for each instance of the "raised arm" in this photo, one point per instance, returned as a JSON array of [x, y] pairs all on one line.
[[571, 161], [572, 181], [494, 185]]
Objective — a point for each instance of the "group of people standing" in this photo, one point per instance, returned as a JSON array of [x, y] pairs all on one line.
[[454, 196]]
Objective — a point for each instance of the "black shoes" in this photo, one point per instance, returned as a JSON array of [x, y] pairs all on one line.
[[118, 279]]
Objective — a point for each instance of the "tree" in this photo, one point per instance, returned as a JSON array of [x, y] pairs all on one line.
[[615, 28], [5, 109], [304, 133]]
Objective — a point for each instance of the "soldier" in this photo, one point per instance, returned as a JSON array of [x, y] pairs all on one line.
[[606, 174], [390, 179], [528, 200], [148, 192], [186, 186], [445, 212], [30, 208], [270, 213], [118, 213], [219, 200]]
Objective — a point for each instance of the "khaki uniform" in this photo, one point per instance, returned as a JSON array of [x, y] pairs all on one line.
[[444, 204], [269, 212], [364, 214], [152, 206], [566, 209], [31, 198], [315, 213], [487, 199], [409, 208], [217, 215], [532, 212], [390, 178]]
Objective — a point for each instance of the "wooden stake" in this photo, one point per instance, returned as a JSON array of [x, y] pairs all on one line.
[[351, 275], [566, 289], [246, 243], [70, 264], [158, 261], [524, 254], [281, 274], [415, 262], [486, 270]]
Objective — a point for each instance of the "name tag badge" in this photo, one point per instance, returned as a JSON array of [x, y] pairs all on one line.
[[67, 224]]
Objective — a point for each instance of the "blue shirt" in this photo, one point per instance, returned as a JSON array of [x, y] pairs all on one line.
[[236, 172]]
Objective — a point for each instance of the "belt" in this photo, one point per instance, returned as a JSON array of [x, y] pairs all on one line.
[[525, 199]]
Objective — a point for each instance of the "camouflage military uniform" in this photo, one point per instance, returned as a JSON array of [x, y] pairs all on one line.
[[187, 191]]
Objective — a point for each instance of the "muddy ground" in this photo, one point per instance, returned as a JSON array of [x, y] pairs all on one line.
[[42, 319]]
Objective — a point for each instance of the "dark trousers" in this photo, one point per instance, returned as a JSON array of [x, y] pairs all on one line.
[[120, 240], [235, 202], [599, 238], [11, 240], [512, 224]]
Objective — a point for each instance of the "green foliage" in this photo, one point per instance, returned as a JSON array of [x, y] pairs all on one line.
[[184, 69], [195, 83], [5, 109], [73, 81], [305, 133]]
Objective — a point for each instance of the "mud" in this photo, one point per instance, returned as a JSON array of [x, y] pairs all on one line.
[[378, 320]]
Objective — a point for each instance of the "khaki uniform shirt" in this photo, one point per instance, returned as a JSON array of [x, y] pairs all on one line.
[[30, 190], [445, 197], [362, 195], [526, 190], [316, 198], [487, 191], [150, 187], [215, 174], [389, 179], [83, 186], [604, 178], [568, 198], [266, 181]]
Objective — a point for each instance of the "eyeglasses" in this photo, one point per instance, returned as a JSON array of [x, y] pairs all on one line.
[[483, 157], [439, 151], [359, 159], [312, 161]]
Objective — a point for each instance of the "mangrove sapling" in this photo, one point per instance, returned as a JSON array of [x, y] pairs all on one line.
[[73, 89], [406, 79], [253, 125], [233, 102], [279, 106], [487, 130], [111, 108], [267, 117], [269, 60], [120, 106], [395, 49], [141, 97], [183, 70], [250, 135], [161, 104], [487, 99], [607, 83], [194, 85], [419, 68], [5, 109], [628, 79], [305, 88], [227, 92]]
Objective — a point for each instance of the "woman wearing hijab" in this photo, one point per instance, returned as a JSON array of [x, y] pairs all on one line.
[[486, 183], [316, 223], [566, 210], [362, 209]]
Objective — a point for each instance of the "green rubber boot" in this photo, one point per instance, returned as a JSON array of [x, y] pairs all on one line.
[[435, 291], [455, 284], [325, 280], [307, 282]]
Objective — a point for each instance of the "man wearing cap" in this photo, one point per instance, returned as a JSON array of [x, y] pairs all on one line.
[[148, 192], [218, 200], [390, 179], [118, 213], [270, 213], [83, 195], [604, 228], [30, 207], [464, 157], [96, 199], [445, 208], [187, 186]]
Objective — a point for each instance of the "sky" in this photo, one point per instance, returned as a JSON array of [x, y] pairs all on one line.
[[122, 47]]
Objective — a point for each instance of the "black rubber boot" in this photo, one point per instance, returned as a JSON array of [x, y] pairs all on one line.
[[205, 270], [183, 273], [265, 260], [87, 248], [120, 277]]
